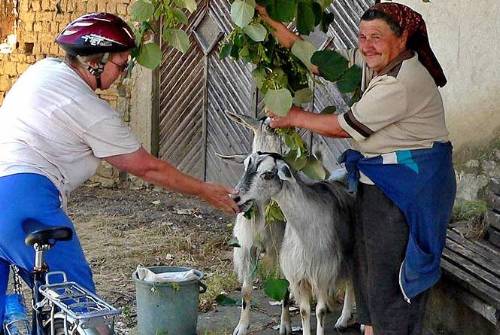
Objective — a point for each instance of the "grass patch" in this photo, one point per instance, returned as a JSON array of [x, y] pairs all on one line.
[[471, 215], [217, 283]]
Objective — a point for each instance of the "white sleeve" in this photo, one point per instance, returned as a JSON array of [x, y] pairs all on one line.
[[110, 137]]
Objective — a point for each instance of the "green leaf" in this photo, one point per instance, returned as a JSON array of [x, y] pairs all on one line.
[[304, 51], [305, 21], [234, 243], [179, 16], [297, 163], [149, 55], [142, 10], [256, 32], [177, 39], [303, 96], [324, 3], [329, 110], [276, 288], [351, 79], [224, 300], [281, 10], [225, 50], [242, 13], [278, 101], [314, 169], [259, 75], [330, 63], [318, 13], [190, 5], [326, 20], [274, 213]]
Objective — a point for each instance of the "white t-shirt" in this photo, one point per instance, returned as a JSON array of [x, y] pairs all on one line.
[[52, 123]]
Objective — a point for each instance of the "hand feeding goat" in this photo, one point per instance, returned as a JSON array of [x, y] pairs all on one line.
[[253, 234], [315, 254]]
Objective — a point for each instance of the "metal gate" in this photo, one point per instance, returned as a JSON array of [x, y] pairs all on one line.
[[196, 88]]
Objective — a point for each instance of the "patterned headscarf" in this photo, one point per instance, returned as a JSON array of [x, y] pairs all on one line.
[[418, 40]]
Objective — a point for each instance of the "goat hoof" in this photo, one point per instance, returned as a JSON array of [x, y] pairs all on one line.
[[241, 329], [342, 322], [285, 330]]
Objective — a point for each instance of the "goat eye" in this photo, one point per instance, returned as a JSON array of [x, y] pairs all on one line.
[[268, 175]]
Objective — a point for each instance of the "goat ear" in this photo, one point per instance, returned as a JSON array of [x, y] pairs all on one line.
[[284, 172], [244, 120], [236, 159]]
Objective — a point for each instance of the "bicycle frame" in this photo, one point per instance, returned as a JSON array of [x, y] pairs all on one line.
[[76, 307]]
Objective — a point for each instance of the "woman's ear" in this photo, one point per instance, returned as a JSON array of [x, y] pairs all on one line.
[[404, 40]]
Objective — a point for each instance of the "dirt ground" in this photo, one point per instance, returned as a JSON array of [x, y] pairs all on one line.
[[122, 228]]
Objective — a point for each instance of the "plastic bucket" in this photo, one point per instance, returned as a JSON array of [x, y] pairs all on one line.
[[168, 307]]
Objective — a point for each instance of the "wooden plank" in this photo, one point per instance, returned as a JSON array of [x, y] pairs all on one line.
[[493, 201], [493, 219], [476, 304], [481, 265], [476, 287], [494, 236], [494, 185], [477, 273], [486, 251]]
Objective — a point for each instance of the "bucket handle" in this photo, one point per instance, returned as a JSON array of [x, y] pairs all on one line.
[[203, 287]]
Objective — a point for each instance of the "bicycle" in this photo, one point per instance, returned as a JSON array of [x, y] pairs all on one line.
[[60, 307]]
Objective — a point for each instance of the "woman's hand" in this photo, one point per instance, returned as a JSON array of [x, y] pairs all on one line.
[[219, 196], [290, 120]]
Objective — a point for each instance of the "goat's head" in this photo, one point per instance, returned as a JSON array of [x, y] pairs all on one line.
[[264, 176], [264, 137]]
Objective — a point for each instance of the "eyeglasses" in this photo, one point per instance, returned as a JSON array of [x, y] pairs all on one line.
[[123, 67]]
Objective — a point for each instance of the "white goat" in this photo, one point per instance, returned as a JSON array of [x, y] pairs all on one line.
[[315, 256], [254, 235]]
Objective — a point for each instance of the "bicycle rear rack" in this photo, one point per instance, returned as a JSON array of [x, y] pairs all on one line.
[[83, 307]]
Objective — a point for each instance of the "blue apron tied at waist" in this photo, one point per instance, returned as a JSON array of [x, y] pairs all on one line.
[[422, 184]]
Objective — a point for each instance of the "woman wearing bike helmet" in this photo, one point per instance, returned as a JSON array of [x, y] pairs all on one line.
[[55, 130]]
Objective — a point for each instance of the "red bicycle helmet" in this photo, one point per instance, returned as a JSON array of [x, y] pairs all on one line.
[[96, 33]]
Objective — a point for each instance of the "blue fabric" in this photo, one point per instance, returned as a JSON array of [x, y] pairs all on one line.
[[422, 184], [32, 196]]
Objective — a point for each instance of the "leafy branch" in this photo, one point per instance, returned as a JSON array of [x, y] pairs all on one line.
[[144, 17]]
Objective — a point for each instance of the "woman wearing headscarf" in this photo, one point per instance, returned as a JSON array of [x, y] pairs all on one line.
[[401, 165]]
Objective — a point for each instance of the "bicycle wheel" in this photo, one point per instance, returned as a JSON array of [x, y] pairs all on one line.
[[59, 327]]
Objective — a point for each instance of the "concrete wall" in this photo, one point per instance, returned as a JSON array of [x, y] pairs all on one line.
[[464, 35]]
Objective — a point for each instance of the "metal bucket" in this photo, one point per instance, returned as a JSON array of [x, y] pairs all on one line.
[[168, 307]]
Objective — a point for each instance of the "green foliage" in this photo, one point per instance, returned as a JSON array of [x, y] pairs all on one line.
[[146, 14], [242, 13], [279, 101], [469, 210], [224, 300], [150, 55], [273, 213], [276, 288]]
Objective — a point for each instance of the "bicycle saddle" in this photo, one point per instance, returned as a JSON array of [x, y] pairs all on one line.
[[39, 233]]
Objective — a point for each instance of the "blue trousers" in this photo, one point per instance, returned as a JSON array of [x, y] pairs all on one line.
[[32, 196]]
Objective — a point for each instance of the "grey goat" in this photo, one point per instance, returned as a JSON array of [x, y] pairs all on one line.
[[254, 235], [315, 256]]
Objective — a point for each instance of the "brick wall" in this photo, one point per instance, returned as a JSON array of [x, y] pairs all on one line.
[[39, 22]]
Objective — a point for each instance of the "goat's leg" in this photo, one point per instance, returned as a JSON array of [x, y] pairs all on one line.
[[321, 310], [303, 298], [347, 308], [285, 324], [246, 299]]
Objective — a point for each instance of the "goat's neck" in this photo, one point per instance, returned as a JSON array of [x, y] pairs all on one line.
[[296, 204]]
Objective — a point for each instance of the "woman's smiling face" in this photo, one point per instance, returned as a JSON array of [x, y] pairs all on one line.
[[379, 45]]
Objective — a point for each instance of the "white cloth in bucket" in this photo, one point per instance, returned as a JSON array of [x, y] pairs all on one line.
[[149, 276]]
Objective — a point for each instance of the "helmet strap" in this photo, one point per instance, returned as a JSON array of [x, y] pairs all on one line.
[[96, 71]]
